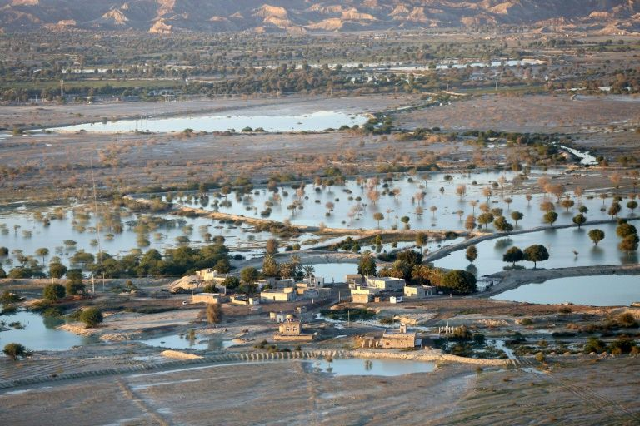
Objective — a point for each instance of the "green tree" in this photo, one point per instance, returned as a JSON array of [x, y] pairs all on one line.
[[42, 252], [485, 219], [270, 267], [632, 205], [629, 243], [54, 292], [536, 253], [367, 265], [502, 225], [513, 255], [459, 282], [516, 216], [249, 275], [614, 210], [231, 282], [626, 229], [57, 270], [15, 351], [579, 220], [91, 317], [596, 235], [550, 217], [472, 253]]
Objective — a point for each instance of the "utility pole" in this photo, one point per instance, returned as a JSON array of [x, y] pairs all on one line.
[[95, 207]]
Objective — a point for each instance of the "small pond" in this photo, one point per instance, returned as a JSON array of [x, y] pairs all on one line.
[[39, 333], [370, 367], [597, 290], [182, 341], [316, 121]]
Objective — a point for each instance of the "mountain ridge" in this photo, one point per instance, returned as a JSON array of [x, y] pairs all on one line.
[[299, 16]]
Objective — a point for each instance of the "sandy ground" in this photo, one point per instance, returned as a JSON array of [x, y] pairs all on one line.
[[572, 390], [572, 393], [277, 393]]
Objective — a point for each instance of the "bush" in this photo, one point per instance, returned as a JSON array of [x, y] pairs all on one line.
[[91, 317], [15, 351]]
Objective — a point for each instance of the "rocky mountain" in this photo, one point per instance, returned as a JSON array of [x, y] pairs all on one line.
[[300, 16]]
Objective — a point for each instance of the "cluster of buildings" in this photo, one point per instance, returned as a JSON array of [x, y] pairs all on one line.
[[378, 289], [289, 290], [270, 289]]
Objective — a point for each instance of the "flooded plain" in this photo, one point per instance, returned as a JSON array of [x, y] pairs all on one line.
[[311, 122], [597, 290]]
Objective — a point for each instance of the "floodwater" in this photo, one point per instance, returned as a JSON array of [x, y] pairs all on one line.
[[351, 207], [370, 367], [22, 231], [312, 122], [39, 333], [560, 244], [182, 341], [335, 272], [598, 290]]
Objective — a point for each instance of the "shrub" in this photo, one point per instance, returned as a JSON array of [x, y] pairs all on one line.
[[91, 317], [15, 351]]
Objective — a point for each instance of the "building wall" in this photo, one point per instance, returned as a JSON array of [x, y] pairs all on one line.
[[211, 299]]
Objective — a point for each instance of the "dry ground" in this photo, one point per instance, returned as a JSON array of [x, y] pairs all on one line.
[[572, 391], [540, 113]]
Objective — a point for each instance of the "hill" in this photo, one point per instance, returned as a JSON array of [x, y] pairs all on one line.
[[300, 16]]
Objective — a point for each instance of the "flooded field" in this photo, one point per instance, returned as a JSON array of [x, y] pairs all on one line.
[[598, 290], [431, 201], [567, 248], [312, 122], [38, 333]]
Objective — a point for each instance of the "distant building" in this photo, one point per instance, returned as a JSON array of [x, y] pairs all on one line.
[[400, 339], [283, 295], [291, 329], [208, 298], [211, 275], [363, 294], [386, 283], [418, 291], [244, 300], [275, 283], [354, 280]]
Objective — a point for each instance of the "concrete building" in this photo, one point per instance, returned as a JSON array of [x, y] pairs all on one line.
[[363, 294], [291, 329], [244, 300], [386, 283], [418, 291], [275, 283], [211, 275], [208, 298], [400, 339], [283, 295]]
